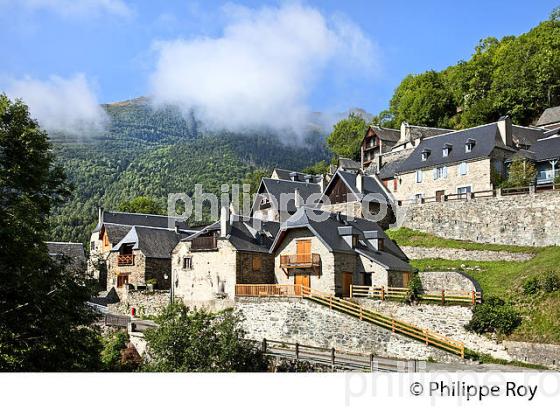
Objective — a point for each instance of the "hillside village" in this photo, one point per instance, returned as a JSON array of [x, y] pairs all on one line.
[[326, 246]]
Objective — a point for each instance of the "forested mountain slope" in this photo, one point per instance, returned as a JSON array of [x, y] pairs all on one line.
[[155, 152]]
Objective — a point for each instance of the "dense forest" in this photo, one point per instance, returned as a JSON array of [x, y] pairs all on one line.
[[152, 152], [517, 76]]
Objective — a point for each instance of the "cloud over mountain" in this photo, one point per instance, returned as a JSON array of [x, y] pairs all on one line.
[[59, 104], [261, 69]]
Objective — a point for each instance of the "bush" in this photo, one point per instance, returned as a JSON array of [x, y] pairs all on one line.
[[111, 353], [414, 288], [494, 316], [531, 286], [551, 282]]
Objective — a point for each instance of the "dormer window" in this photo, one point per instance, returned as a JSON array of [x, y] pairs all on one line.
[[425, 154], [469, 145], [446, 150]]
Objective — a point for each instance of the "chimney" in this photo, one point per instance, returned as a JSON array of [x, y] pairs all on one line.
[[505, 129], [321, 182], [404, 129], [360, 182], [224, 221], [100, 214], [374, 239], [346, 232], [298, 200]]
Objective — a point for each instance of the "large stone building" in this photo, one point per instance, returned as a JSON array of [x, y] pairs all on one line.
[[234, 250]]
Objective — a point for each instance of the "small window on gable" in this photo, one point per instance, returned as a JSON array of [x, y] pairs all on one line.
[[187, 262], [257, 263]]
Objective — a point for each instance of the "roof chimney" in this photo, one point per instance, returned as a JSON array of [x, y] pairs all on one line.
[[224, 221], [504, 127], [298, 200], [404, 128], [360, 182], [100, 214]]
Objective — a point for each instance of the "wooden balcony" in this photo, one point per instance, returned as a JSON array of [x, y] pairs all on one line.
[[204, 243], [302, 261], [125, 260], [288, 291]]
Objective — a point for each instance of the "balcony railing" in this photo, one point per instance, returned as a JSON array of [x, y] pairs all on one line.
[[310, 260], [204, 243], [289, 291], [125, 260]]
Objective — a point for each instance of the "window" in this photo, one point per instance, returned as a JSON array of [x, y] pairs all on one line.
[[257, 263], [469, 145], [446, 150], [440, 172], [463, 168], [418, 176], [418, 198], [354, 241], [464, 190], [425, 156], [367, 278], [187, 262], [92, 245]]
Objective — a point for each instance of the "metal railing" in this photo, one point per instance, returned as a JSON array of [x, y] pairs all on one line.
[[443, 296]]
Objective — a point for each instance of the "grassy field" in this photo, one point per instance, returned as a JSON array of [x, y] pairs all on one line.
[[541, 311], [409, 237]]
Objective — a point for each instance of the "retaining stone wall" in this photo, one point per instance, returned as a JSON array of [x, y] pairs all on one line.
[[416, 252], [539, 353]]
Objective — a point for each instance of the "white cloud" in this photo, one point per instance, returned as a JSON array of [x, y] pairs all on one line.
[[263, 67], [82, 8], [61, 105]]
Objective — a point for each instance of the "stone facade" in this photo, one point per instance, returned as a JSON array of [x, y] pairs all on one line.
[[414, 252], [211, 280], [514, 220], [146, 303], [538, 353], [477, 178], [140, 272], [303, 321]]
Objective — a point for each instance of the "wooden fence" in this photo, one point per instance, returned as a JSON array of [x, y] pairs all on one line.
[[268, 290], [392, 293]]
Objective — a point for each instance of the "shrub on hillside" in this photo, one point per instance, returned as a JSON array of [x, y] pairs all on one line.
[[494, 316], [531, 286], [414, 288], [551, 282], [113, 344]]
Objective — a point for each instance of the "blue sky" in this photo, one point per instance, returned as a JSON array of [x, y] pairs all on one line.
[[118, 46]]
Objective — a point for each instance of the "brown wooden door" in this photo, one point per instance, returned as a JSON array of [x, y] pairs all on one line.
[[122, 280], [346, 282], [405, 279], [303, 280], [439, 195], [303, 249]]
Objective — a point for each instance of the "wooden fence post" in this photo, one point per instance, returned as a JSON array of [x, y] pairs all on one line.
[[426, 337], [332, 357], [297, 351], [382, 292], [371, 364], [361, 313], [443, 297], [264, 345], [473, 297], [393, 325], [350, 291]]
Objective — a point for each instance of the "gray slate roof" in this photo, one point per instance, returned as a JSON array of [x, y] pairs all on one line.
[[116, 232], [69, 249], [325, 226], [246, 235], [347, 163], [392, 162], [526, 135], [276, 187], [386, 134], [545, 149], [485, 137], [371, 185], [131, 219], [153, 242], [549, 116]]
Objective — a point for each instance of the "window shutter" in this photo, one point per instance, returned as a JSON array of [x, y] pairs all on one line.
[[445, 172], [435, 173]]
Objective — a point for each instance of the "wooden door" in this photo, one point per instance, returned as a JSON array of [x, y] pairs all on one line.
[[303, 249], [405, 279], [346, 282], [439, 195], [122, 280], [303, 280]]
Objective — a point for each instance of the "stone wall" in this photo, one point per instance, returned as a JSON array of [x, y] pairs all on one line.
[[415, 252], [446, 320], [142, 270], [437, 281], [544, 354], [145, 302], [514, 220], [303, 321]]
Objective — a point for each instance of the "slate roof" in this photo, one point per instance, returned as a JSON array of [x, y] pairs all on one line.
[[246, 235], [545, 149], [485, 137], [131, 219], [285, 174], [549, 116], [347, 163], [116, 232], [153, 242], [276, 187], [325, 226], [526, 135], [69, 249], [371, 185], [386, 134], [393, 162]]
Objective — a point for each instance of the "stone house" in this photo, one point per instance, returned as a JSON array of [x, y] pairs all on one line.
[[329, 252], [377, 141], [359, 195], [142, 257], [112, 227], [460, 162], [206, 266]]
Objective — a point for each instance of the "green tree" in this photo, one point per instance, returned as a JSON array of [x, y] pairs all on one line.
[[319, 168], [142, 205], [521, 173], [45, 324], [195, 340], [346, 137]]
